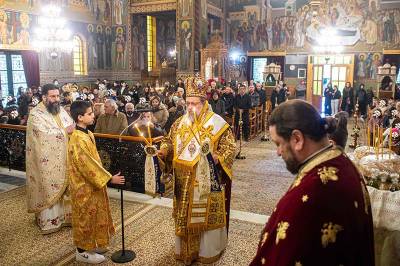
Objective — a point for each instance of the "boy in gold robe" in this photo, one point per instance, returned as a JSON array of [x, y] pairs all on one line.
[[92, 225]]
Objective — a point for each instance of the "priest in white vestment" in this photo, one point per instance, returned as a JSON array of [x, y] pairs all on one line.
[[200, 150], [46, 162]]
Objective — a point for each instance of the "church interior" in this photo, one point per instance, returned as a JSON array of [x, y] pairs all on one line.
[[140, 57]]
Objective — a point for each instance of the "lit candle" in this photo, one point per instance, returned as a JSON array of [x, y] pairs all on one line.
[[141, 134], [373, 136], [149, 133], [390, 142], [382, 139], [374, 141], [145, 140]]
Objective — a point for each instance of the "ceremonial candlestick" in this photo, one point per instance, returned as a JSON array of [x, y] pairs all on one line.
[[141, 134], [145, 139], [368, 136], [356, 130], [383, 140], [149, 133], [381, 136], [379, 141], [374, 141], [265, 137], [373, 136], [390, 142], [239, 155]]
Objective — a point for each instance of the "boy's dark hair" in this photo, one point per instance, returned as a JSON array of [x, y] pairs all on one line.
[[79, 108]]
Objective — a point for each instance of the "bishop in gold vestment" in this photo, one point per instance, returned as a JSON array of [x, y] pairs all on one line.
[[200, 150], [92, 225]]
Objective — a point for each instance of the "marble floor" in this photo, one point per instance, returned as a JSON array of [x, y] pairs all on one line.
[[11, 179]]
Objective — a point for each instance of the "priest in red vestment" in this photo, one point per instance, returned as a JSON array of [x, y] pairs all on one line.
[[325, 216]]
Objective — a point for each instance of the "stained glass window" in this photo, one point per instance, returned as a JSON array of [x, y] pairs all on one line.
[[12, 75], [18, 74], [150, 41], [79, 68]]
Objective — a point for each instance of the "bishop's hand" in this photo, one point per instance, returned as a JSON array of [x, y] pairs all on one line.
[[161, 154], [215, 157]]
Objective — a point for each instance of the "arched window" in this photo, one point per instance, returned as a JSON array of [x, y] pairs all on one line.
[[79, 66]]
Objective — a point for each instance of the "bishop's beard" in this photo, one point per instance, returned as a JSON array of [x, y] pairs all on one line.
[[53, 108]]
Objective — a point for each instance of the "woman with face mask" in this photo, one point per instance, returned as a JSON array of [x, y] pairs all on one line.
[[160, 111], [217, 104]]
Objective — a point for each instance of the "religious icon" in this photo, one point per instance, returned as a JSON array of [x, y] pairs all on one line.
[[185, 7], [120, 47], [186, 43], [118, 10], [361, 65], [23, 35], [3, 27]]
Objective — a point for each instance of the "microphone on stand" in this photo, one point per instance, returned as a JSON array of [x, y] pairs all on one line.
[[120, 134]]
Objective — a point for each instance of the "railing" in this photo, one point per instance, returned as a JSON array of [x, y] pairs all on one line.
[[123, 154]]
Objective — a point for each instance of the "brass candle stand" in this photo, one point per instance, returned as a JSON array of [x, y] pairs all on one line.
[[356, 130], [266, 122], [239, 156]]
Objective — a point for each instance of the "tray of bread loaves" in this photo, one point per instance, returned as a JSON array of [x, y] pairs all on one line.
[[379, 169]]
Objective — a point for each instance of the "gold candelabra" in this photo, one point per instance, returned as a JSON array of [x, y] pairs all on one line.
[[239, 155]]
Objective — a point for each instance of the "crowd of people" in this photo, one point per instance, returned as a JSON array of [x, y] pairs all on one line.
[[346, 100], [117, 106]]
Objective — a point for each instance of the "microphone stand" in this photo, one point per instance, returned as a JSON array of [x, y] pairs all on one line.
[[120, 134], [123, 255]]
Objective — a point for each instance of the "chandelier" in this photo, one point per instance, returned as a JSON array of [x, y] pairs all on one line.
[[329, 41], [51, 32]]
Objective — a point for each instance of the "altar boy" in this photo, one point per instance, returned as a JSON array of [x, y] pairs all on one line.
[[92, 225]]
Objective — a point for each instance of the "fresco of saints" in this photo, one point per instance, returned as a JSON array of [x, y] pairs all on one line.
[[107, 11], [135, 47], [361, 66], [186, 40], [23, 35], [3, 27], [370, 31], [120, 47], [397, 25], [375, 64], [299, 31], [185, 7], [118, 10]]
